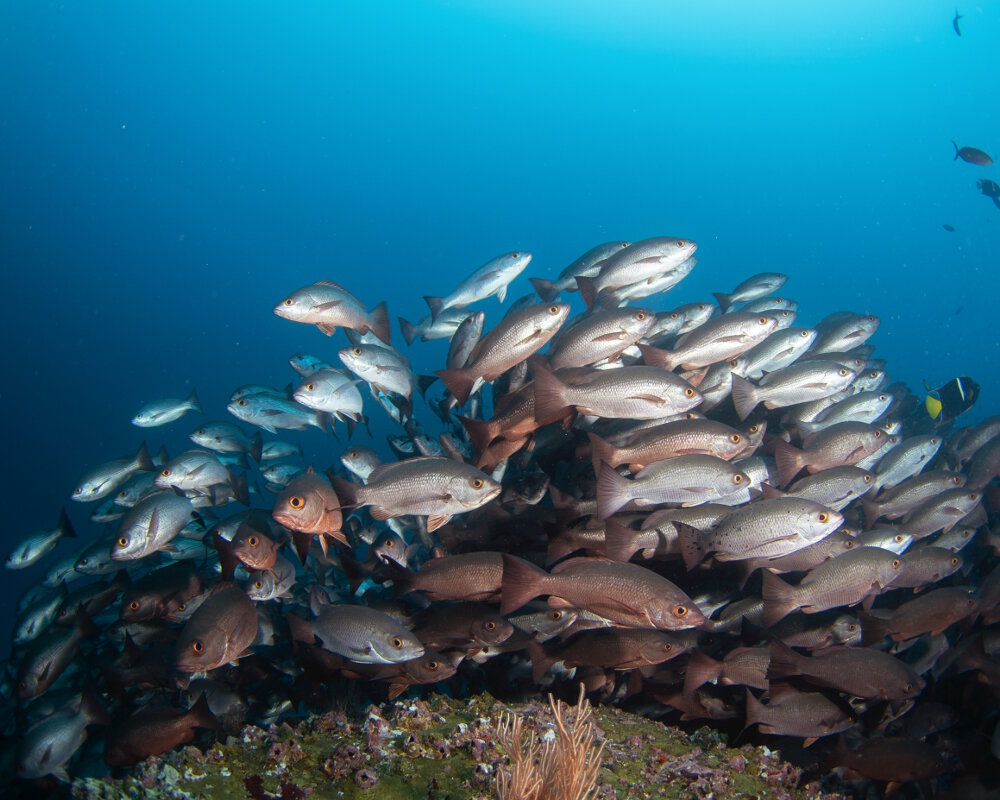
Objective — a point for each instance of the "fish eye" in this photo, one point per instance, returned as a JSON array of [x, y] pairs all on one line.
[[680, 611], [134, 605], [667, 647], [78, 490], [883, 397], [640, 316], [252, 541], [735, 438], [873, 374], [258, 584], [241, 402], [555, 616], [734, 363], [755, 427], [83, 561], [878, 434], [842, 372], [397, 642], [515, 255], [804, 334], [762, 320], [954, 562], [852, 627], [123, 493], [681, 243], [123, 541], [674, 315], [738, 478], [477, 483], [689, 392], [823, 516], [553, 309], [289, 301], [295, 501], [868, 477], [490, 626], [973, 495], [908, 688], [165, 473], [388, 543], [356, 351], [181, 606], [896, 563], [849, 543], [957, 480], [309, 387], [197, 646], [898, 538]]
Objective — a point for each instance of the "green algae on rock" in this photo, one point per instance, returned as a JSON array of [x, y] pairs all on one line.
[[444, 749]]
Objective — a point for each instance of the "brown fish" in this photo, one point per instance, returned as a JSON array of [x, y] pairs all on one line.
[[791, 713], [742, 666], [159, 593], [309, 505], [626, 594], [219, 632], [462, 625], [858, 671], [469, 576], [930, 613], [851, 578], [254, 549], [153, 731], [889, 758], [972, 155], [608, 648], [842, 444], [50, 654]]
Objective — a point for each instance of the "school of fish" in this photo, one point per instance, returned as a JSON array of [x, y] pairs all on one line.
[[706, 513]]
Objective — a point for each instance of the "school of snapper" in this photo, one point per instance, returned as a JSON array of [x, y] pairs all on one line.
[[709, 513]]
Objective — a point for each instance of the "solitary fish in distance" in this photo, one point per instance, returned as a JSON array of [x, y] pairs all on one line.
[[972, 155]]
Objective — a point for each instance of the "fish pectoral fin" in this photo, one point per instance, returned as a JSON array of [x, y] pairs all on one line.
[[327, 305], [648, 398], [809, 740], [533, 336], [435, 521], [329, 330], [379, 513], [615, 336]]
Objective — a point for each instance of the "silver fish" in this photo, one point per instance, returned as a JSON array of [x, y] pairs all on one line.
[[329, 306], [162, 412], [492, 278]]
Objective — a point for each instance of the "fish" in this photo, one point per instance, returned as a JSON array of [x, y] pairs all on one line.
[[464, 341], [972, 155], [684, 480], [638, 392], [386, 371], [492, 278], [949, 228], [954, 23], [626, 594], [306, 364], [219, 632], [162, 412], [48, 745], [271, 412], [754, 287], [610, 648], [892, 759], [847, 580], [151, 525], [588, 265], [50, 654], [34, 547], [224, 437], [331, 391], [719, 339], [310, 505], [365, 635], [151, 731], [932, 612], [843, 444], [809, 715], [200, 472], [275, 450], [429, 328], [637, 262], [102, 480], [599, 336], [801, 382], [472, 577], [329, 306], [437, 488], [512, 341]]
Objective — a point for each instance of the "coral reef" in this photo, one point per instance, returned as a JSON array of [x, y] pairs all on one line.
[[443, 748]]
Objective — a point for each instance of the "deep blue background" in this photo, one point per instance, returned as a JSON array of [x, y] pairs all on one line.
[[168, 173]]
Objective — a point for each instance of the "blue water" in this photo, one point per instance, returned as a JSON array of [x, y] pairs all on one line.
[[170, 172]]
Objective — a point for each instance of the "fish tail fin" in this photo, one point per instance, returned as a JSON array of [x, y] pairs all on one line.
[[546, 289], [380, 322], [408, 329], [619, 541], [788, 459], [692, 544], [241, 490], [587, 291], [725, 301], [256, 446], [701, 669], [65, 527], [560, 545], [459, 382], [192, 401], [92, 709], [756, 710], [402, 578], [784, 661], [602, 451], [779, 598], [933, 405], [744, 396], [541, 660], [227, 558], [302, 542], [201, 716], [143, 461], [424, 382], [872, 512], [613, 491], [521, 582], [550, 404], [956, 150], [480, 433], [873, 629], [347, 492], [657, 357], [435, 304], [162, 457]]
